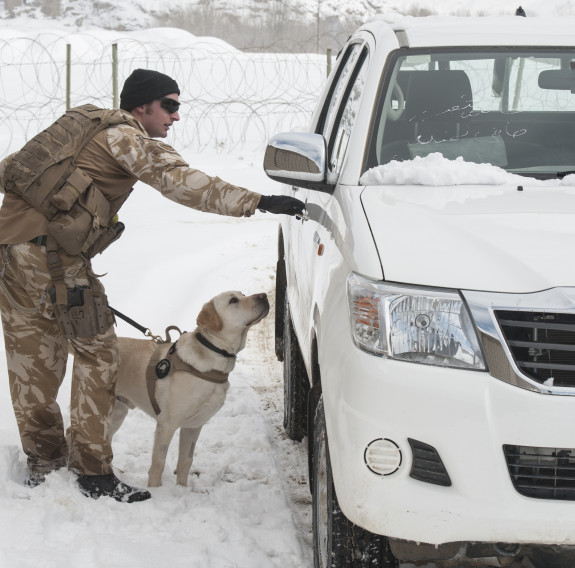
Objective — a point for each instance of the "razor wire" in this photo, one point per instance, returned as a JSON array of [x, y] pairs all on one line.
[[231, 100]]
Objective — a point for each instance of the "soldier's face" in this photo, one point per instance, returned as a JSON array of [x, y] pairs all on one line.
[[159, 115]]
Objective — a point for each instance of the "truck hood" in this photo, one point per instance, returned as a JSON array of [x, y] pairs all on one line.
[[498, 238]]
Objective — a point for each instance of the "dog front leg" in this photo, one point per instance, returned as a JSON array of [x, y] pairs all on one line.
[[188, 439], [119, 413], [162, 438]]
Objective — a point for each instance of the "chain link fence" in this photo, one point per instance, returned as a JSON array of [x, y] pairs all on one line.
[[231, 100]]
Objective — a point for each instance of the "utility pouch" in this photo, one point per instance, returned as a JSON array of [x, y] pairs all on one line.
[[79, 228], [86, 314], [76, 183], [111, 234], [71, 229]]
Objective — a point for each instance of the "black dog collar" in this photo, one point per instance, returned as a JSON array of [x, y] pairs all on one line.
[[211, 346]]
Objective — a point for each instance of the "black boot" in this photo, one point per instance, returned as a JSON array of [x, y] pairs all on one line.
[[109, 485], [35, 478], [38, 470]]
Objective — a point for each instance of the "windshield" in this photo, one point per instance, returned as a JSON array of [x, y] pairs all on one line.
[[512, 109]]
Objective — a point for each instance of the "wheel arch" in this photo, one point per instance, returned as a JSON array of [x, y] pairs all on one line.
[[312, 402]]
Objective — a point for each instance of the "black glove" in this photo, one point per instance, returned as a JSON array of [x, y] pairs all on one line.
[[281, 204]]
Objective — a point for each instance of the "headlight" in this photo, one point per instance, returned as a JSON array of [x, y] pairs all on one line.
[[420, 325]]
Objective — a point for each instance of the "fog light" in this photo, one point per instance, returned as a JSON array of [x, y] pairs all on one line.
[[382, 456]]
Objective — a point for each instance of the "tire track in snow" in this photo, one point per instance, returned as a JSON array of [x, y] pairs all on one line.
[[291, 457]]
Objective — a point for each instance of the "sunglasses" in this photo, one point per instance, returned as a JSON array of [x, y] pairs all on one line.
[[169, 105]]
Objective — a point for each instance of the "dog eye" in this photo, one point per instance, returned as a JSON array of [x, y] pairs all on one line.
[[234, 300]]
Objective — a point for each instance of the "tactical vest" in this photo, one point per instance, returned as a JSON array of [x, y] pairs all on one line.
[[44, 174]]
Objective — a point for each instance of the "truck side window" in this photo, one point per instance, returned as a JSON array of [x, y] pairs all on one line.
[[338, 144], [333, 104]]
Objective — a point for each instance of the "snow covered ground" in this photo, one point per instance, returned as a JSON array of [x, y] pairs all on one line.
[[248, 504], [244, 506]]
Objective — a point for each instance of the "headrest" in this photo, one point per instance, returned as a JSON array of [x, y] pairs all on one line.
[[441, 95]]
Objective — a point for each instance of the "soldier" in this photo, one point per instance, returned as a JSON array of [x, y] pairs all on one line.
[[39, 327]]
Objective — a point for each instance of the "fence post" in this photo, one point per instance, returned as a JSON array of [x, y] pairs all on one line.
[[68, 74], [115, 75], [329, 61]]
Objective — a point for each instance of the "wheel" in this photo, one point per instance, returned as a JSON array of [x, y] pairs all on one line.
[[337, 542], [296, 383]]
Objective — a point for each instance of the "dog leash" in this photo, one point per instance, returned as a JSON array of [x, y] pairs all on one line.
[[145, 330], [139, 327]]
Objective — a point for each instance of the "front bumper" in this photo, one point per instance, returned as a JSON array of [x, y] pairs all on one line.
[[467, 417]]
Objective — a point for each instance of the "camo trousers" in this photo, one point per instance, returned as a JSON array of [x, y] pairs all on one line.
[[37, 353]]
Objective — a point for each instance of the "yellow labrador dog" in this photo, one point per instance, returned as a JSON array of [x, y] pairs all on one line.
[[182, 385]]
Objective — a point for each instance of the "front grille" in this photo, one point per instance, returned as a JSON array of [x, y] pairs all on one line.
[[542, 344], [427, 465], [543, 473]]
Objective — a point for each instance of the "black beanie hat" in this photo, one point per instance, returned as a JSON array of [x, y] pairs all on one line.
[[144, 86]]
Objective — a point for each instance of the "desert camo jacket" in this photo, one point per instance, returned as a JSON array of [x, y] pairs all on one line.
[[116, 159]]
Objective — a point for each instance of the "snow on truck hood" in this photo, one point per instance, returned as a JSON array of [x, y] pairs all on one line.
[[456, 224]]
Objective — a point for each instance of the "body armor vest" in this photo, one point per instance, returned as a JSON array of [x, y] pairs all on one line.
[[43, 173]]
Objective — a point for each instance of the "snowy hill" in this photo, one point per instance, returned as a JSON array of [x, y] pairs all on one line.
[[263, 25]]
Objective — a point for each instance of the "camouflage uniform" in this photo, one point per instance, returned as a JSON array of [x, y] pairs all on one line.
[[36, 345], [37, 351]]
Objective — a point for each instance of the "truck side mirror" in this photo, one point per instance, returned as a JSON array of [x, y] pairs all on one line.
[[298, 158]]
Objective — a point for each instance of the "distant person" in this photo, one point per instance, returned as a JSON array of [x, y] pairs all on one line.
[[50, 298]]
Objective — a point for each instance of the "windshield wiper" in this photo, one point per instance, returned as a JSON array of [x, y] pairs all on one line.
[[561, 175], [543, 175]]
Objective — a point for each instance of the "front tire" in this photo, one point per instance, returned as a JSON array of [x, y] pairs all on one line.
[[337, 542], [296, 382]]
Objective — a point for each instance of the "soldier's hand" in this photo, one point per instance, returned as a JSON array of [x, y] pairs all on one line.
[[281, 204]]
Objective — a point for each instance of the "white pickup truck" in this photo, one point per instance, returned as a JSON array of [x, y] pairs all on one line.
[[426, 301]]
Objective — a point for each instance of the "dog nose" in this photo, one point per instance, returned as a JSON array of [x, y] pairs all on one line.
[[262, 296]]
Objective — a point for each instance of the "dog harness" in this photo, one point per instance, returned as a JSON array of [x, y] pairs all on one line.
[[164, 361]]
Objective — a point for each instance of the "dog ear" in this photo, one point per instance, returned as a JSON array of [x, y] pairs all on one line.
[[209, 318]]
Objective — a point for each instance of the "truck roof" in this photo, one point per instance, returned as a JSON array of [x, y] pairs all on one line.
[[489, 31]]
